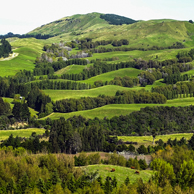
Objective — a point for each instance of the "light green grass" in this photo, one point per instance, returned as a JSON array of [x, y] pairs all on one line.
[[131, 72], [109, 90], [120, 109], [120, 173], [72, 69], [149, 139], [28, 49], [4, 134]]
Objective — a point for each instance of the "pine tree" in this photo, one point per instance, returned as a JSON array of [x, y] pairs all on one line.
[[127, 181]]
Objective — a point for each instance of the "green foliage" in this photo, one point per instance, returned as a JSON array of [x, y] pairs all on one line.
[[5, 48]]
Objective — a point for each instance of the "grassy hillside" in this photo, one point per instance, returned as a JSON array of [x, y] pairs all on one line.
[[148, 140], [120, 173], [131, 72], [120, 109], [28, 49], [143, 34], [106, 90], [77, 23], [4, 134]]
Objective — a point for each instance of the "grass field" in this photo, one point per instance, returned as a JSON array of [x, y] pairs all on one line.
[[28, 49], [120, 173], [4, 134], [106, 90], [120, 109], [72, 69], [131, 72], [149, 139]]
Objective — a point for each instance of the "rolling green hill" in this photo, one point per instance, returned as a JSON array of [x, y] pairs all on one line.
[[119, 109], [142, 34], [76, 24]]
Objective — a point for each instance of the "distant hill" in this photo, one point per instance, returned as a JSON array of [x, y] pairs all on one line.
[[78, 24], [97, 26]]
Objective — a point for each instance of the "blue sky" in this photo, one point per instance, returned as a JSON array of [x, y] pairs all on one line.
[[21, 16]]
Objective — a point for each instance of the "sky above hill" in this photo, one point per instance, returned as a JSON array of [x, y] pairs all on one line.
[[22, 16]]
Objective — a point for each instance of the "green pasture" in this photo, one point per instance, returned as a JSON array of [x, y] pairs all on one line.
[[149, 139], [72, 69], [131, 72], [120, 173], [4, 134], [119, 109], [109, 90], [28, 49]]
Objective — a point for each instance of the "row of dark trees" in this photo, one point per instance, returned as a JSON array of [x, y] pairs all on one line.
[[177, 45], [181, 89], [37, 36], [174, 78], [45, 68], [88, 44], [185, 56], [120, 81], [58, 85], [129, 97]]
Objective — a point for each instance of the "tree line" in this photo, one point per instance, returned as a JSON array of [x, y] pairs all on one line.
[[124, 97], [37, 36], [180, 89], [177, 45]]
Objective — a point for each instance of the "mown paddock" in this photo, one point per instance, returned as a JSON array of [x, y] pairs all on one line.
[[112, 110], [130, 72], [4, 134], [109, 90], [120, 173]]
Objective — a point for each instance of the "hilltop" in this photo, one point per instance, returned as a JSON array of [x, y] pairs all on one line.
[[97, 26], [79, 24]]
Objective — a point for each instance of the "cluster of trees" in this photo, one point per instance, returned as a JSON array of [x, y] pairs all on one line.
[[45, 68], [83, 160], [37, 36], [88, 44], [58, 85], [39, 101], [49, 173], [120, 81], [116, 19], [124, 97], [97, 69], [178, 45], [185, 56], [105, 59], [180, 89], [52, 52], [21, 111], [5, 108], [5, 48], [174, 78]]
